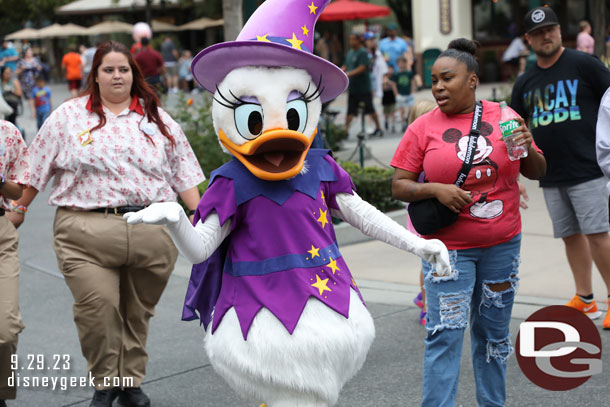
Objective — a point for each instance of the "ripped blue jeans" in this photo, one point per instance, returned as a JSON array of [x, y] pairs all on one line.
[[484, 287]]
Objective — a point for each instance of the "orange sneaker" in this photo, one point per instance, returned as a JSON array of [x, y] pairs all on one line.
[[606, 323], [589, 310]]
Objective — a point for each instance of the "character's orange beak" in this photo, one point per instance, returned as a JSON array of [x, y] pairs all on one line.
[[274, 155]]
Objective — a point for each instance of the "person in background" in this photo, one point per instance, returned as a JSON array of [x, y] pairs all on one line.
[[87, 54], [27, 69], [602, 146], [152, 66], [406, 84], [185, 75], [584, 40], [392, 46], [359, 92], [485, 241], [41, 95], [14, 175], [560, 97], [335, 48], [170, 62], [515, 55], [388, 101], [127, 153], [11, 92], [378, 65], [8, 56], [72, 65], [322, 48]]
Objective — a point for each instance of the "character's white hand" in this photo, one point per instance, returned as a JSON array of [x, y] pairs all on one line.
[[435, 252], [159, 213]]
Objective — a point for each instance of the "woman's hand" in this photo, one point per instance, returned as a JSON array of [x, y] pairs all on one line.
[[525, 138], [452, 197]]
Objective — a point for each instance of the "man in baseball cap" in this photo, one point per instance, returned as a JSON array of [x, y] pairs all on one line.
[[540, 17], [559, 97]]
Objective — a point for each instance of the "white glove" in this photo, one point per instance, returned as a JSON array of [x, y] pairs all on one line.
[[372, 222], [195, 243], [434, 251], [159, 213]]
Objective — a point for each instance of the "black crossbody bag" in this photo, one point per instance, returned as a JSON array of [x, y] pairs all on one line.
[[428, 216]]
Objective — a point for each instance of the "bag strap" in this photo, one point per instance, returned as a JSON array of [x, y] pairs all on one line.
[[475, 131]]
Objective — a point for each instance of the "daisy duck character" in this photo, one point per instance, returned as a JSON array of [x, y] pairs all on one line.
[[285, 321]]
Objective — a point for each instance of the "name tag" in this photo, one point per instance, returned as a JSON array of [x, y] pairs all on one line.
[[148, 128], [85, 138]]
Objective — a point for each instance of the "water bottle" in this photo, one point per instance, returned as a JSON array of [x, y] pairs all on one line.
[[507, 125]]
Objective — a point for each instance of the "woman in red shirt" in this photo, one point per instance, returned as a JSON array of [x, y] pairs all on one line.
[[484, 243]]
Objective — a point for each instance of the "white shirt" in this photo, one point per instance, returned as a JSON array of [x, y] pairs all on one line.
[[14, 158], [602, 136], [119, 166]]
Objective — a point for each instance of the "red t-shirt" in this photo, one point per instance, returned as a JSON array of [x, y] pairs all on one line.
[[436, 143], [149, 61]]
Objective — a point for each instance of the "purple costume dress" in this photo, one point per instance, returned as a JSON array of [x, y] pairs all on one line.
[[281, 250]]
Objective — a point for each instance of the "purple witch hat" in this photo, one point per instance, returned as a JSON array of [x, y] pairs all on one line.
[[279, 33]]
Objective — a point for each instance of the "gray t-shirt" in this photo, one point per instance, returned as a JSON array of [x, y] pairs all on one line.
[[167, 51]]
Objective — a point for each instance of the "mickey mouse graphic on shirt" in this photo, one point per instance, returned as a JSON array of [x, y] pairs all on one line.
[[483, 175]]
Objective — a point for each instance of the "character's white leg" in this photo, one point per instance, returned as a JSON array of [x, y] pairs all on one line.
[[307, 368]]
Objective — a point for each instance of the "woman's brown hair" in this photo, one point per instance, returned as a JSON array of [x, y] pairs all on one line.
[[139, 88]]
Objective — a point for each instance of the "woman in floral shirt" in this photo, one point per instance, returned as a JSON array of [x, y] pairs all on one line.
[[113, 150], [14, 174]]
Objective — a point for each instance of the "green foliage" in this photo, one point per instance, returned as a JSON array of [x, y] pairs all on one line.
[[14, 14], [334, 135], [374, 185], [194, 114]]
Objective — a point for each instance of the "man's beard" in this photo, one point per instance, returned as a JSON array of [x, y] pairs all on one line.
[[542, 52]]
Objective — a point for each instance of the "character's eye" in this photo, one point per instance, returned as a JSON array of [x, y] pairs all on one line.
[[296, 115], [249, 120]]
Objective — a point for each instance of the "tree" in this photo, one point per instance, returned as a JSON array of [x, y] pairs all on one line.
[[15, 13], [233, 17], [598, 26], [402, 9]]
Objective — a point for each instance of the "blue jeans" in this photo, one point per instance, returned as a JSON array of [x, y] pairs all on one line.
[[41, 117], [484, 286]]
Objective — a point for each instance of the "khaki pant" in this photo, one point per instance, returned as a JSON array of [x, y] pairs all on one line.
[[10, 317], [116, 273]]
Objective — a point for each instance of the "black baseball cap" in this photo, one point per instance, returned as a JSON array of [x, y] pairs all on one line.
[[540, 17]]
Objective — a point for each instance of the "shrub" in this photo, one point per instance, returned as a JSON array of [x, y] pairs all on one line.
[[374, 185], [195, 117]]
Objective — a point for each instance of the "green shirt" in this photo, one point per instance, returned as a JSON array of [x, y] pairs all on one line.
[[403, 82], [361, 83]]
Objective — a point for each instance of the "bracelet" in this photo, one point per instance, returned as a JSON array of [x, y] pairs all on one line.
[[22, 209], [191, 212]]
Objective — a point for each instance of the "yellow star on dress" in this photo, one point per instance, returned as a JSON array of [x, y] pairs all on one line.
[[294, 41], [333, 265], [263, 38], [312, 8], [305, 30], [323, 219], [314, 251], [321, 284]]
